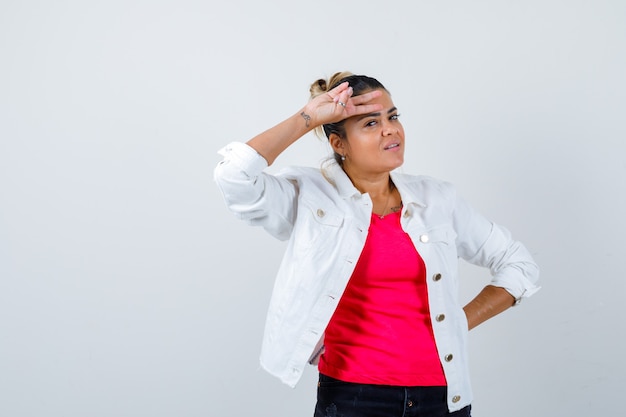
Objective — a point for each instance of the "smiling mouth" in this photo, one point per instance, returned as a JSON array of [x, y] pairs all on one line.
[[393, 145]]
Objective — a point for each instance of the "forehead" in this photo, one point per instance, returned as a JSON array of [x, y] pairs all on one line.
[[384, 100]]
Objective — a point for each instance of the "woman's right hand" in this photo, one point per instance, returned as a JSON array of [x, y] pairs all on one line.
[[338, 104], [330, 107]]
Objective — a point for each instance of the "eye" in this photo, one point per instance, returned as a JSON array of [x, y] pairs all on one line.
[[371, 123], [394, 117]]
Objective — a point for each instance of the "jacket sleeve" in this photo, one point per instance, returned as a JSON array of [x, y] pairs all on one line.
[[255, 196], [490, 245]]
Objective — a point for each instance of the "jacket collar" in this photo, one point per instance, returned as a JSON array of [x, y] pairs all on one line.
[[408, 193], [340, 179], [346, 189]]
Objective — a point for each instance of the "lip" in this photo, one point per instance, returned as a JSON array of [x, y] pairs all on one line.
[[391, 146]]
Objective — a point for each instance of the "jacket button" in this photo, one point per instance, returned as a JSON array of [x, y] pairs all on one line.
[[437, 277], [424, 238], [456, 398], [449, 357], [320, 213], [440, 317]]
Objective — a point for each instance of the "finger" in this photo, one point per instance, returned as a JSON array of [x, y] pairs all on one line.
[[364, 98], [335, 92], [367, 108], [343, 97]]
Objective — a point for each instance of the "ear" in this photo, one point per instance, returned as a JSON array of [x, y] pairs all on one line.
[[337, 144]]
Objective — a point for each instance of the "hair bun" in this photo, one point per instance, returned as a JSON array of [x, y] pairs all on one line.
[[318, 87], [322, 86]]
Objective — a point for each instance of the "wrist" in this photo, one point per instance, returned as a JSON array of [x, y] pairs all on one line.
[[305, 118]]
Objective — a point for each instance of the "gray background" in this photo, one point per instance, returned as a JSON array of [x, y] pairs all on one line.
[[128, 289]]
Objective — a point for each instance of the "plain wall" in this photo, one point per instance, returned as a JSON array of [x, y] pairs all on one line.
[[128, 289]]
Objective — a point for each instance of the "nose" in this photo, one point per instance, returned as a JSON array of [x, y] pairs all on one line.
[[389, 129]]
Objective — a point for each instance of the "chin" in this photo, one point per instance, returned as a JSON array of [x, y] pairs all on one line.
[[398, 164]]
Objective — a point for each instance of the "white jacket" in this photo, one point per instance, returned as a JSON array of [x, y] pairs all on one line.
[[326, 220]]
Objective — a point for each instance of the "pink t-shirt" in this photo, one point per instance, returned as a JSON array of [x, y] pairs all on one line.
[[381, 331]]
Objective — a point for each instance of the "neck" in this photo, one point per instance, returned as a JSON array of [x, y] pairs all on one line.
[[378, 185], [385, 198]]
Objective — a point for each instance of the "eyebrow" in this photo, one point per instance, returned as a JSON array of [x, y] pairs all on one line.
[[377, 114]]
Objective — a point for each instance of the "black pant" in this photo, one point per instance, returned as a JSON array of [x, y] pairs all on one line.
[[345, 399]]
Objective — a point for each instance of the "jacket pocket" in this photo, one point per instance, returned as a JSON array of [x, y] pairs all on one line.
[[436, 235], [316, 223], [438, 241], [441, 235]]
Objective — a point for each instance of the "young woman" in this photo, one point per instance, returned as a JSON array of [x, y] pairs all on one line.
[[367, 289]]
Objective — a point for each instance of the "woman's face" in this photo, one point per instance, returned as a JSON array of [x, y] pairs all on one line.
[[374, 142]]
